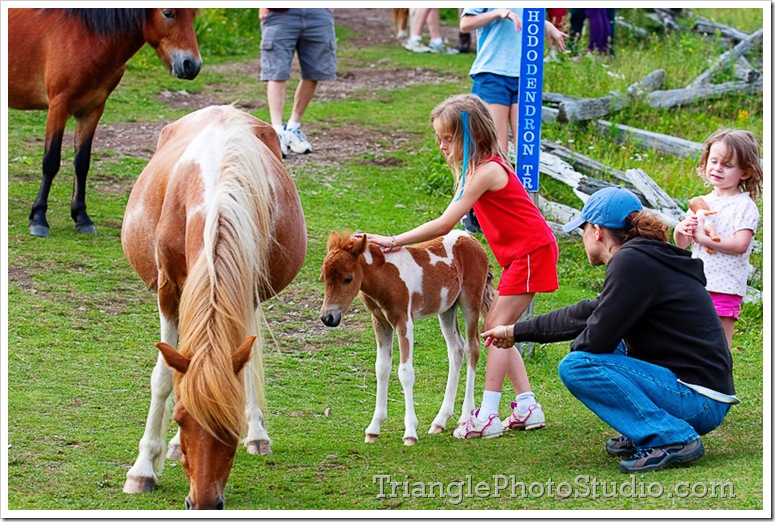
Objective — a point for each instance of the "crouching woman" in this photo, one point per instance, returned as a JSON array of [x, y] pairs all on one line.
[[649, 355]]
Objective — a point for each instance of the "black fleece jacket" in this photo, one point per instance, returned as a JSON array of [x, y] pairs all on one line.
[[653, 298]]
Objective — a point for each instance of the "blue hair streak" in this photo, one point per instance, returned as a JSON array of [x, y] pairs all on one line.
[[467, 144]]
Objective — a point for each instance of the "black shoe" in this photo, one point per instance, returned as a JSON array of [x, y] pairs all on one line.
[[464, 42], [655, 459], [620, 446]]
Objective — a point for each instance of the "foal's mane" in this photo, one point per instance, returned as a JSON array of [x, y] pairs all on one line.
[[221, 291], [110, 22]]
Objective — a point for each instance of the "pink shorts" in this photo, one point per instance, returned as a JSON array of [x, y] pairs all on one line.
[[727, 305], [535, 272]]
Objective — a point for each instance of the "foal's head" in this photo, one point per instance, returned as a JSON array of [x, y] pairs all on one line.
[[208, 452], [341, 274]]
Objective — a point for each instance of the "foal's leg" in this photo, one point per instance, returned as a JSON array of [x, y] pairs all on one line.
[[406, 376], [448, 322], [384, 333], [142, 477], [471, 348]]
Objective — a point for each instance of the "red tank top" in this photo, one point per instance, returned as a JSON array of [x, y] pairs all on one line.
[[510, 221]]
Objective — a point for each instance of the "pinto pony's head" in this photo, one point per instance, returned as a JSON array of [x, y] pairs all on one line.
[[341, 274]]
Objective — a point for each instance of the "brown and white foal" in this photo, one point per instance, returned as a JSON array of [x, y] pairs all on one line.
[[433, 278]]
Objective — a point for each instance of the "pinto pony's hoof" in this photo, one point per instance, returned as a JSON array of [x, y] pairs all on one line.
[[139, 484], [39, 230], [435, 429], [174, 453], [371, 438], [410, 441], [259, 447], [86, 229]]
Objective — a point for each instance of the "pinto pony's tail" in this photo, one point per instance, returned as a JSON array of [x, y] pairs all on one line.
[[487, 295]]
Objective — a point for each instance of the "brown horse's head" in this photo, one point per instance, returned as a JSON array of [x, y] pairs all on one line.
[[341, 274], [171, 33], [208, 449]]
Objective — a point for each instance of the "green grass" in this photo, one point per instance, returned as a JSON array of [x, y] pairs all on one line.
[[82, 327]]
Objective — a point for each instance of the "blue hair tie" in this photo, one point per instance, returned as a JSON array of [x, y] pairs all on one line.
[[466, 141]]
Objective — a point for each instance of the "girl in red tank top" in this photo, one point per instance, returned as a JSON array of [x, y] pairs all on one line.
[[521, 241]]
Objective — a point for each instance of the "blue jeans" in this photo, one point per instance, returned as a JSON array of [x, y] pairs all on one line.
[[643, 401]]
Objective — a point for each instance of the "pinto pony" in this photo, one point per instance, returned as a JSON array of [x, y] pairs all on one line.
[[69, 61], [214, 225], [433, 278]]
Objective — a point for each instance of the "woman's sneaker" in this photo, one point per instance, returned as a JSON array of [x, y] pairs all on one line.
[[441, 49], [416, 47], [655, 459], [297, 141], [620, 446], [476, 429], [532, 420]]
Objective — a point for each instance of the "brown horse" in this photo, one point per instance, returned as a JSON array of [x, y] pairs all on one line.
[[69, 61], [214, 225], [433, 278]]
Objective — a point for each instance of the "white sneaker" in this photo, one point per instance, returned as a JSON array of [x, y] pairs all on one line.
[[476, 429], [417, 47], [297, 141], [532, 420], [441, 49], [284, 138]]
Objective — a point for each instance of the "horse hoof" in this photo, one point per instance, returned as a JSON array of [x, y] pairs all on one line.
[[259, 447], [174, 453], [435, 429], [410, 441], [370, 438], [139, 485], [39, 230], [86, 229]]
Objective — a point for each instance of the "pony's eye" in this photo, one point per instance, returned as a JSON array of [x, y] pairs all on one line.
[[168, 13], [348, 279]]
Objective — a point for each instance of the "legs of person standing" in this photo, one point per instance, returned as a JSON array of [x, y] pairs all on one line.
[[577, 17], [309, 33], [661, 417], [436, 44], [599, 30], [612, 29]]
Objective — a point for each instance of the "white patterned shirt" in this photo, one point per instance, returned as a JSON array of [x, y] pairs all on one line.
[[728, 273]]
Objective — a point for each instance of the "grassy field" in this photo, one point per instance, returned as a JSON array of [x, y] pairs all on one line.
[[82, 327]]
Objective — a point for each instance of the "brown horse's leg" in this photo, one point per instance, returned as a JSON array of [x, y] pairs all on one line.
[[52, 157], [84, 134]]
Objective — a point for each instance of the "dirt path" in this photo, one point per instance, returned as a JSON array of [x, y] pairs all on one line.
[[372, 28]]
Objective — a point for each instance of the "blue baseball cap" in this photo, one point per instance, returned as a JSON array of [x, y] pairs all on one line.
[[608, 208]]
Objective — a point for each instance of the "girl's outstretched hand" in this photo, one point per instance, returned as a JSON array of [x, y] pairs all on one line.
[[387, 243], [502, 336]]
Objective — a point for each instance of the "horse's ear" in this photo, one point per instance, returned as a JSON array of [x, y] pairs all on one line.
[[359, 245], [173, 357], [333, 238], [242, 355]]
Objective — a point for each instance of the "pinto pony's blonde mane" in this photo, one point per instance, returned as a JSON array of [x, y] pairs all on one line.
[[221, 291]]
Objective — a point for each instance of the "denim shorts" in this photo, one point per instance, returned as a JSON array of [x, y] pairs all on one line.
[[496, 88], [307, 32]]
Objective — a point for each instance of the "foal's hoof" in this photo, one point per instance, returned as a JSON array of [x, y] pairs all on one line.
[[139, 484], [86, 229], [410, 441], [435, 429], [39, 230], [371, 438], [259, 447]]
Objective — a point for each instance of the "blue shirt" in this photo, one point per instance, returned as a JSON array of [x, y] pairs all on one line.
[[499, 45]]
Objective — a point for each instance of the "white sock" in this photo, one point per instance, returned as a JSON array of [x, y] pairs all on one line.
[[490, 402], [525, 400], [436, 41], [415, 38], [279, 128], [292, 125]]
